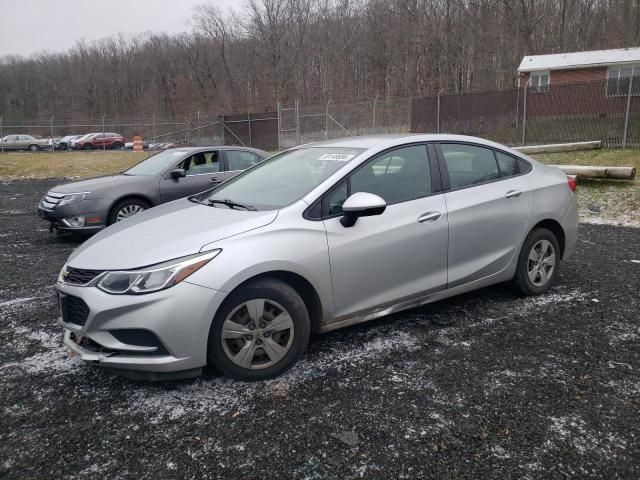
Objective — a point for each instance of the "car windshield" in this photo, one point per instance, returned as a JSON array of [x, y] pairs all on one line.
[[282, 179], [157, 163]]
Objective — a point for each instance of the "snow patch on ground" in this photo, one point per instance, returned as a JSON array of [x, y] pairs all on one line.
[[12, 212], [51, 357], [619, 332], [15, 301], [573, 431], [223, 396], [619, 220], [553, 298]]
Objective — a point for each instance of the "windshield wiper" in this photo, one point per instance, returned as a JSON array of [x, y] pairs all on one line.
[[231, 204]]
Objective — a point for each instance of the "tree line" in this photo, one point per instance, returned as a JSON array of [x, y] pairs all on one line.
[[313, 50]]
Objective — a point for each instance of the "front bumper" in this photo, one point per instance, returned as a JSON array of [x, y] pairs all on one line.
[[95, 210], [178, 317]]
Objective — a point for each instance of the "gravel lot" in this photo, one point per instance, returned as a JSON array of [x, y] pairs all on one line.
[[483, 385]]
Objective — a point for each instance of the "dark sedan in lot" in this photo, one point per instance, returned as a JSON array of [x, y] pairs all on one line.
[[90, 205]]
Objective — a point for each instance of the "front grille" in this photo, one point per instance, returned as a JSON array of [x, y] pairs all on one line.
[[79, 276], [51, 200], [74, 310]]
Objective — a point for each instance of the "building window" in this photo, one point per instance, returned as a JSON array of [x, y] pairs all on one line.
[[539, 81], [618, 79]]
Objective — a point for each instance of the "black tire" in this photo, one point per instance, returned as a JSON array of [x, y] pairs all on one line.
[[34, 148], [87, 146], [116, 146], [270, 290], [113, 213], [521, 279]]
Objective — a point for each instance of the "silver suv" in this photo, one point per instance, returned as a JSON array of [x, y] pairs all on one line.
[[319, 237]]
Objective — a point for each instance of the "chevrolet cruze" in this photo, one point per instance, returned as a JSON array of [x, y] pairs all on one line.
[[316, 238]]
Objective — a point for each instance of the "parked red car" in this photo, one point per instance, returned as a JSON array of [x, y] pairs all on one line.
[[98, 140]]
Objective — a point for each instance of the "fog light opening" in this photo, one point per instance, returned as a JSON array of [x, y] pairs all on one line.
[[74, 222]]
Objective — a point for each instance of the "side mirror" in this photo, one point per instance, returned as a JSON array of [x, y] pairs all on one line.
[[361, 204], [178, 173]]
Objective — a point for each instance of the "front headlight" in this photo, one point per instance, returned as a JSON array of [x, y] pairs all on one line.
[[154, 278], [63, 274], [70, 198]]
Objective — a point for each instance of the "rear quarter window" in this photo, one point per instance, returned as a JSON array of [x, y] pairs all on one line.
[[508, 165], [524, 166]]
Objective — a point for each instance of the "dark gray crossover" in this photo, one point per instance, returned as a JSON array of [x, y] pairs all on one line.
[[90, 205]]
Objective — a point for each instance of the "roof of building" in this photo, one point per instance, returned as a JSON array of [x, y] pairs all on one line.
[[594, 58]]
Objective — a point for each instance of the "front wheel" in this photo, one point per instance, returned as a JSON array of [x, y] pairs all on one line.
[[538, 263], [259, 331], [125, 209], [87, 146], [34, 148], [116, 146]]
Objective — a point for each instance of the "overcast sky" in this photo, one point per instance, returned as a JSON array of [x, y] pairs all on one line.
[[30, 26]]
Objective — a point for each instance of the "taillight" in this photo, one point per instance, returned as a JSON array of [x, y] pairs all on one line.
[[572, 182]]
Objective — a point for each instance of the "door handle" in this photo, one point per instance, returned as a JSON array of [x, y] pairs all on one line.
[[513, 194], [429, 217], [215, 181]]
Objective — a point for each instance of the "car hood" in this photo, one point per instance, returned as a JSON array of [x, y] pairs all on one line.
[[169, 231], [96, 185]]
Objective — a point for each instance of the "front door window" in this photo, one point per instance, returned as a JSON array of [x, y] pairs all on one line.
[[201, 163]]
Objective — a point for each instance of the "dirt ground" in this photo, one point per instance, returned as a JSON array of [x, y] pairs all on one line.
[[486, 385]]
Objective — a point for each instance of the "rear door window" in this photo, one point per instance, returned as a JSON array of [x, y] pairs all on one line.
[[240, 160], [469, 164]]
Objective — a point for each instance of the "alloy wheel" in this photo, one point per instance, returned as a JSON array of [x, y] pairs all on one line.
[[127, 211], [541, 263], [257, 334]]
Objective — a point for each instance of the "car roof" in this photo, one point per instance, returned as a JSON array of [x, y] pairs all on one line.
[[370, 142], [217, 147]]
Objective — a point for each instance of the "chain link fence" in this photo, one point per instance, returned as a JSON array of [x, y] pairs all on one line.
[[526, 116], [607, 111]]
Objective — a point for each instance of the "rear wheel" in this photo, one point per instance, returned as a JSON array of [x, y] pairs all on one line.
[[538, 263], [34, 148], [126, 208], [259, 331]]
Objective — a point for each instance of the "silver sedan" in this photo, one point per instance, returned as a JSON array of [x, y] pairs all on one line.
[[319, 237]]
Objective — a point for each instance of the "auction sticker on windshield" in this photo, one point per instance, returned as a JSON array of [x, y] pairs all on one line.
[[338, 157]]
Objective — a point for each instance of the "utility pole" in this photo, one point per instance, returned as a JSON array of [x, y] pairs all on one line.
[[53, 144], [626, 115], [438, 112], [326, 121], [297, 124], [524, 115], [375, 101], [279, 126]]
